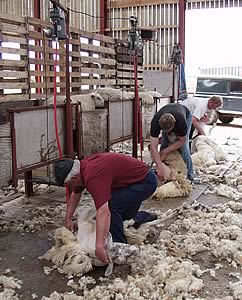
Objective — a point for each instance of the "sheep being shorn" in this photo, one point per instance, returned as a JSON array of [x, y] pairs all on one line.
[[75, 254], [178, 184]]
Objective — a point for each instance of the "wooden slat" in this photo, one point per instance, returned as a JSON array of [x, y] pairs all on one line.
[[12, 28], [36, 35], [103, 61], [98, 71], [14, 74], [13, 51], [93, 36], [14, 97], [128, 67], [9, 62], [11, 18], [12, 39], [98, 49], [15, 85], [130, 74], [98, 81], [38, 22], [128, 82]]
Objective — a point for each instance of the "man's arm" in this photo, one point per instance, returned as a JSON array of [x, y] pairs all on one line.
[[103, 220], [72, 204], [154, 142], [181, 140], [198, 125]]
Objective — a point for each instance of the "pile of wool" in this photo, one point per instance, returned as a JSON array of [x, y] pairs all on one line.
[[87, 102], [216, 229], [154, 275], [225, 191], [62, 296], [164, 269], [208, 152], [178, 185], [8, 287]]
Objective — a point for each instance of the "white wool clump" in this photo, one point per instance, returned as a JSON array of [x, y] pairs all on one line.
[[139, 236], [8, 285], [179, 185], [66, 296], [208, 152], [67, 254], [236, 288], [217, 230], [152, 278], [228, 191]]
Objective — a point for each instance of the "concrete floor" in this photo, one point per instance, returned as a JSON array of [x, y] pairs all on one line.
[[20, 251]]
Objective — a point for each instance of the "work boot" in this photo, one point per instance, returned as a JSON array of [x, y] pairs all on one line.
[[143, 217]]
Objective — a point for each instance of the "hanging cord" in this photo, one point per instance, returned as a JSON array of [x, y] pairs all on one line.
[[55, 116], [47, 111], [55, 110], [138, 102]]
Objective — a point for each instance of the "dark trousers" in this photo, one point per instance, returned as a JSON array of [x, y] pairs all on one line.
[[126, 202]]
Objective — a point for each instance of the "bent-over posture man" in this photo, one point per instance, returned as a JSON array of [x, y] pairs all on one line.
[[118, 184], [199, 107], [174, 120]]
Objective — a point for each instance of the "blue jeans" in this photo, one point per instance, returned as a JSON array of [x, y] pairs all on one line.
[[125, 203], [184, 150]]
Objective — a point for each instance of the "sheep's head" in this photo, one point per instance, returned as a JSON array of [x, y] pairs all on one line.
[[97, 99]]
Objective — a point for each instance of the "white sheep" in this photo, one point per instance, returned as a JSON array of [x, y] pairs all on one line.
[[87, 102], [208, 152], [179, 185], [75, 254]]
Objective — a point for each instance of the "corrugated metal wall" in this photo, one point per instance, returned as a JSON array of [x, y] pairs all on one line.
[[191, 4], [161, 15], [163, 18], [82, 21], [222, 71], [17, 7]]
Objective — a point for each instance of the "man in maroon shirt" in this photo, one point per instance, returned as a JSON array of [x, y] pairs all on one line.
[[118, 184]]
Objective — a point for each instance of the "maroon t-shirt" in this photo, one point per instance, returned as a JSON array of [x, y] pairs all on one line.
[[105, 172]]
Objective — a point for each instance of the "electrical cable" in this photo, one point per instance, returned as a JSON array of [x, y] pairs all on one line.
[[55, 117], [55, 110]]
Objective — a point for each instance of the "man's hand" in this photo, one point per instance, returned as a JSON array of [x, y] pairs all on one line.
[[163, 154], [101, 254], [71, 225], [163, 172]]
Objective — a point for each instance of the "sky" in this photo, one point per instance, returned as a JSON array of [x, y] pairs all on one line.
[[213, 38]]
